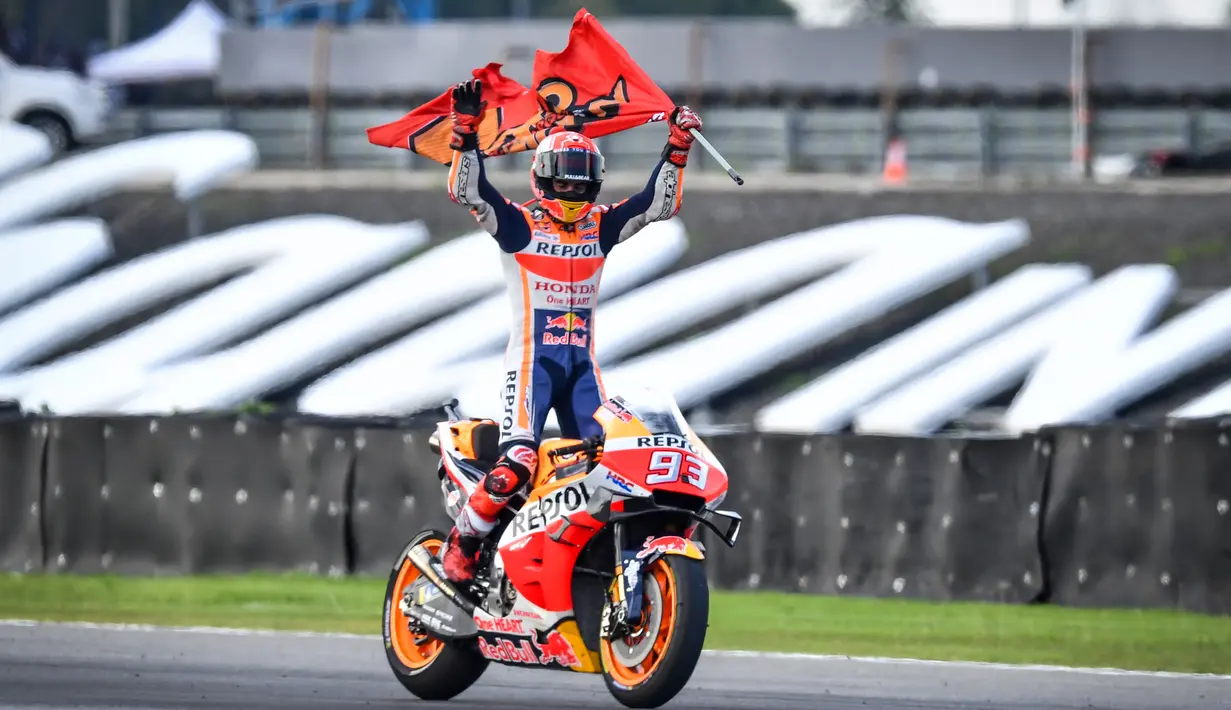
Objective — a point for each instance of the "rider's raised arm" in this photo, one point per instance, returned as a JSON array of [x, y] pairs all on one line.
[[468, 184], [662, 196], [496, 214]]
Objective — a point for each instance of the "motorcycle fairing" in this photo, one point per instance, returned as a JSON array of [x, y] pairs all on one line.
[[527, 635], [530, 636], [539, 548], [570, 501]]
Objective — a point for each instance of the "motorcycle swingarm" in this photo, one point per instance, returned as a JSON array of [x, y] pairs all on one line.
[[435, 603]]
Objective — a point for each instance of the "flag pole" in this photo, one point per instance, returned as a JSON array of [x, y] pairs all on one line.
[[717, 156]]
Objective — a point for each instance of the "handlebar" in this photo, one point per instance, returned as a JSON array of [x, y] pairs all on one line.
[[593, 443]]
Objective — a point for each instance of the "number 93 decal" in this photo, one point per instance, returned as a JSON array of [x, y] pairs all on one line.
[[669, 465]]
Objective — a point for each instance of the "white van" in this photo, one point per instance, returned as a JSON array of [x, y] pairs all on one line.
[[69, 110]]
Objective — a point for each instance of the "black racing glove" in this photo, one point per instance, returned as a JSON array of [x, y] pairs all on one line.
[[468, 107]]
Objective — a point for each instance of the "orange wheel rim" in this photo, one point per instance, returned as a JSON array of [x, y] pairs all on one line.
[[414, 656], [631, 677]]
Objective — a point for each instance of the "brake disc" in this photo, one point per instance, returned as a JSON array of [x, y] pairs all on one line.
[[633, 654]]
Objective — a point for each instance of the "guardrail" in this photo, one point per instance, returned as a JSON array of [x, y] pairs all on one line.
[[1111, 515], [940, 142]]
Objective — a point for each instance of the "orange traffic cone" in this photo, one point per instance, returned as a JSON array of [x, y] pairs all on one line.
[[895, 162]]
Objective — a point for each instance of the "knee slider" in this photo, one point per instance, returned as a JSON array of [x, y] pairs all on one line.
[[519, 459]]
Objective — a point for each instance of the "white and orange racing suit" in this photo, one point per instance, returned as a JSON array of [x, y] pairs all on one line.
[[552, 271]]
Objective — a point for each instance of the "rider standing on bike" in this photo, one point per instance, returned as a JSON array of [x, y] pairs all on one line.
[[553, 254]]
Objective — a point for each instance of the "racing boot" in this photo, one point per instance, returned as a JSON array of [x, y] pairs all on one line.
[[478, 516], [461, 554]]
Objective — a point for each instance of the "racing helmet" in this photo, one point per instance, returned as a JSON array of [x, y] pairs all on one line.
[[566, 175]]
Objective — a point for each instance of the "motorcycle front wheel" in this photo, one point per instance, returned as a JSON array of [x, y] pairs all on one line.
[[653, 663], [427, 667]]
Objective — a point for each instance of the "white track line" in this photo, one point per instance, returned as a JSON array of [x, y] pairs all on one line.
[[212, 630], [768, 655]]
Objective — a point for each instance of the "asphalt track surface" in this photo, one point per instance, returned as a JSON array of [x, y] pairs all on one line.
[[83, 667]]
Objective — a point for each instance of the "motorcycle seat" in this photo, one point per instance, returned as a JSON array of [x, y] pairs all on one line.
[[485, 442]]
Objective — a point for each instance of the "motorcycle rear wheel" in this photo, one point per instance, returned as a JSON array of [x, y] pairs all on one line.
[[432, 669], [651, 669]]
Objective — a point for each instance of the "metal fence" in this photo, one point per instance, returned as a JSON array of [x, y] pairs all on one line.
[[725, 54], [940, 142]]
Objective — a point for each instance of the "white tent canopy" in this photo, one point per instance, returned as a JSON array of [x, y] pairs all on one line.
[[185, 49]]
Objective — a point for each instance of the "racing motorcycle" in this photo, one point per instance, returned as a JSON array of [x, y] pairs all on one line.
[[593, 569]]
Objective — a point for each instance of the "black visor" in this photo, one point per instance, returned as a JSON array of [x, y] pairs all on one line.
[[571, 164]]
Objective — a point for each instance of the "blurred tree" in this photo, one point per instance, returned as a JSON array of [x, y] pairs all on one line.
[[5, 45], [696, 7], [474, 9], [146, 17], [88, 19], [885, 12], [71, 25], [615, 8], [568, 8]]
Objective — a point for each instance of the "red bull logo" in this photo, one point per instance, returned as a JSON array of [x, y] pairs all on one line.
[[571, 323], [568, 321], [555, 647], [506, 651], [668, 543]]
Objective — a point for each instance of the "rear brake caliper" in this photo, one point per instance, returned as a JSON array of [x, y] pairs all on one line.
[[413, 624]]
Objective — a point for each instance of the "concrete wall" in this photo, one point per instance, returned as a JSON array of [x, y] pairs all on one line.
[[1185, 224]]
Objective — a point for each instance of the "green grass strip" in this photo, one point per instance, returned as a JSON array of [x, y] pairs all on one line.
[[753, 621]]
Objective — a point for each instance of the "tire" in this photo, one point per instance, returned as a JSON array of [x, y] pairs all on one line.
[[681, 584], [436, 670], [53, 127]]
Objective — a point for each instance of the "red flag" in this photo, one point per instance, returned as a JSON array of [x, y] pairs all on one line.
[[426, 130], [592, 86]]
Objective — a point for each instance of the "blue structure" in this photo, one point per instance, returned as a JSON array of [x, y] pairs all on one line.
[[290, 13]]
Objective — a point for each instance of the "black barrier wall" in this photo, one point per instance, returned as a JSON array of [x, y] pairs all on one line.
[[22, 454], [1139, 516], [1089, 516]]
